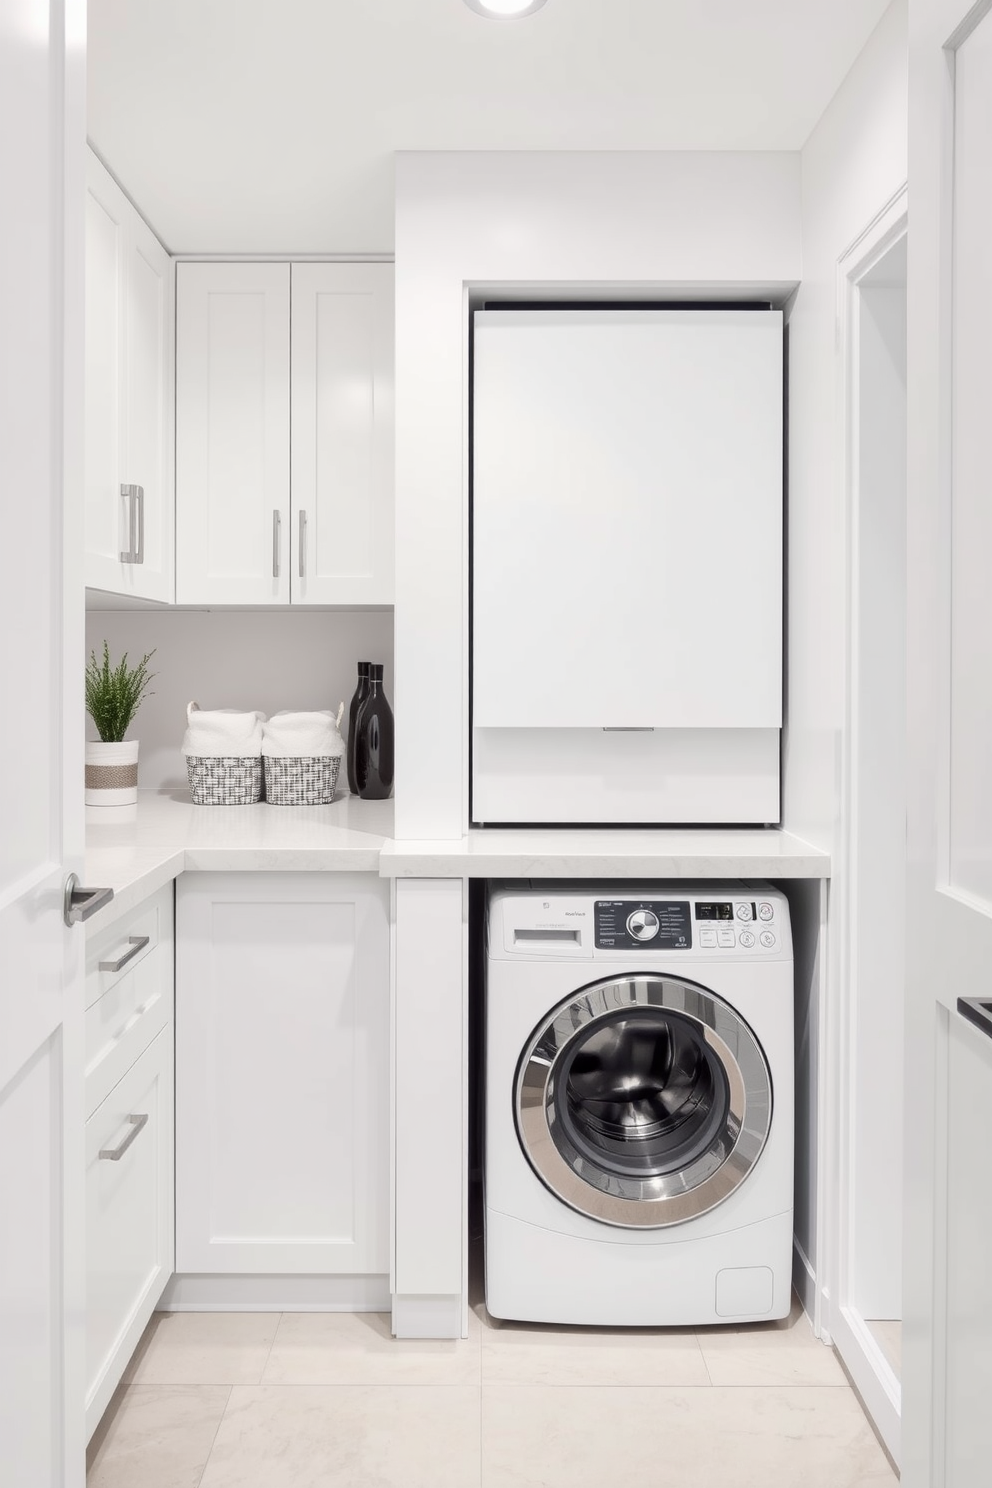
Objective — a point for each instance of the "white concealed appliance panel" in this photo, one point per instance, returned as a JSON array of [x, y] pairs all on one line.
[[282, 1071], [627, 559], [232, 433], [627, 507], [342, 433]]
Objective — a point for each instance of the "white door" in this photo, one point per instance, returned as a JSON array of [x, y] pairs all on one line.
[[342, 416], [947, 1357], [107, 513], [42, 142], [232, 433]]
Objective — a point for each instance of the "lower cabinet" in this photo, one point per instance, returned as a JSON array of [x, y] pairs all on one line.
[[129, 1138], [282, 1074]]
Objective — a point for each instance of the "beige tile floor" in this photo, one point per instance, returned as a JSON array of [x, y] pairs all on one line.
[[262, 1400]]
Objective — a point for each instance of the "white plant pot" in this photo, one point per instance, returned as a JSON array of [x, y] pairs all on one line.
[[112, 773]]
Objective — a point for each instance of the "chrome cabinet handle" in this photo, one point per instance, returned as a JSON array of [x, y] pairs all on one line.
[[136, 943], [114, 1154], [139, 505], [276, 540], [127, 494], [135, 498], [303, 544], [79, 903]]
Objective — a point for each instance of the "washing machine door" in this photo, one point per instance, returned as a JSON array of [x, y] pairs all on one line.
[[643, 1101]]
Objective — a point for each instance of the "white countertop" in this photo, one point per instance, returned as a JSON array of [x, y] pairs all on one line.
[[602, 852], [137, 849]]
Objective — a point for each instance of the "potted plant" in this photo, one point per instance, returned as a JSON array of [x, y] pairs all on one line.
[[113, 696]]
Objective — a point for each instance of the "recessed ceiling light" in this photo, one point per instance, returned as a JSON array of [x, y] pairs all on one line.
[[504, 10]]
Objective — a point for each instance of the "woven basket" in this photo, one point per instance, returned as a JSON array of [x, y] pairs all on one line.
[[224, 780], [303, 780]]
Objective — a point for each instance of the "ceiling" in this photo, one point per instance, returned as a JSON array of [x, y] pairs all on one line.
[[269, 126]]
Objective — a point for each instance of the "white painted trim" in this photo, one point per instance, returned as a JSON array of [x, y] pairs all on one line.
[[201, 1293], [872, 1375], [428, 1317], [862, 1357]]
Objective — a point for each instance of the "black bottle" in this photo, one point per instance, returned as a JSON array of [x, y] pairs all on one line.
[[374, 742], [361, 693]]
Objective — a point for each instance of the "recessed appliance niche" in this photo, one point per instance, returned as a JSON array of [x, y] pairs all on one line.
[[626, 565]]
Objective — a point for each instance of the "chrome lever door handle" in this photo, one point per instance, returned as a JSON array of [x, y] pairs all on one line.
[[978, 1010], [136, 943], [276, 540], [303, 544], [135, 1123], [79, 903]]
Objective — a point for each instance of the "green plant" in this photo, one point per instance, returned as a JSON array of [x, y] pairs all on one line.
[[114, 694]]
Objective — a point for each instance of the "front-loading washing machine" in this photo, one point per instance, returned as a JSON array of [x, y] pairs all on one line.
[[639, 1107]]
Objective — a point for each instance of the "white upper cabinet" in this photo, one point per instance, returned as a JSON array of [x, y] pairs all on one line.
[[342, 448], [232, 433], [250, 411], [130, 317]]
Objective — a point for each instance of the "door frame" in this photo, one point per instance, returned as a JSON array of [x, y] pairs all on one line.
[[870, 1371]]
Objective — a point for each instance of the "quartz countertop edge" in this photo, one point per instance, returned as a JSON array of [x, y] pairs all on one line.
[[137, 850], [684, 853]]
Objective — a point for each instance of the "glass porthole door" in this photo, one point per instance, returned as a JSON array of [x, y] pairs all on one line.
[[643, 1101]]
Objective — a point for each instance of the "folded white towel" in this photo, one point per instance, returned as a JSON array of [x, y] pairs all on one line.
[[222, 731], [296, 735]]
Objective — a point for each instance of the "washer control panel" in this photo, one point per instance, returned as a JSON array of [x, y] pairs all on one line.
[[655, 924]]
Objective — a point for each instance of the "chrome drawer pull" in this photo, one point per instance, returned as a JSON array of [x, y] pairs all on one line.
[[137, 943], [114, 1154]]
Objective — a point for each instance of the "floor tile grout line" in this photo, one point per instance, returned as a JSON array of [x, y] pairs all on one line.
[[213, 1440], [275, 1334], [702, 1355]]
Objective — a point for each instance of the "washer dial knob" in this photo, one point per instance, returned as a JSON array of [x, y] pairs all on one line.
[[642, 924]]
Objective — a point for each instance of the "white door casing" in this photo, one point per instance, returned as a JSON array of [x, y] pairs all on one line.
[[946, 1440], [42, 175]]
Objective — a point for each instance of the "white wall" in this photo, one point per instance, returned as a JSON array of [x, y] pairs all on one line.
[[853, 164], [645, 222], [236, 659]]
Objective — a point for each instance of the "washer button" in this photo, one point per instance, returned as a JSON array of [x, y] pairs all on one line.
[[642, 924], [707, 937], [766, 911], [726, 937], [767, 938], [744, 912], [746, 938]]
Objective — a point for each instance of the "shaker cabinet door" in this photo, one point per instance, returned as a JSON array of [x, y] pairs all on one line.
[[342, 417], [282, 1074], [130, 382], [232, 433]]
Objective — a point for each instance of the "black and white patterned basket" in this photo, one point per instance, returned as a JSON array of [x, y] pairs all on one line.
[[301, 780], [224, 780]]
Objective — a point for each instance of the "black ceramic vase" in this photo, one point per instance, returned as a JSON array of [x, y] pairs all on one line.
[[374, 742], [361, 693]]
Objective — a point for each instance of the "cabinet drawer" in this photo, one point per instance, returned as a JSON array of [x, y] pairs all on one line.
[[129, 1217], [129, 992]]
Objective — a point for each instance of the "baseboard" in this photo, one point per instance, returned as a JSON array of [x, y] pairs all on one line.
[[872, 1376], [428, 1317], [202, 1293]]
